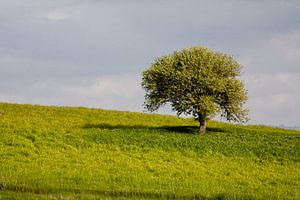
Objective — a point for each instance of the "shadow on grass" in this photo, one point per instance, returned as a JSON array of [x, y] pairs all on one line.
[[115, 194], [212, 129], [117, 126], [173, 129]]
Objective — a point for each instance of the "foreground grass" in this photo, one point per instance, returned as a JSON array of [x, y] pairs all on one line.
[[79, 153]]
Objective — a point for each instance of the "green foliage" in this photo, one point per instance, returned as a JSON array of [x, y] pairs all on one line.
[[79, 153], [196, 81]]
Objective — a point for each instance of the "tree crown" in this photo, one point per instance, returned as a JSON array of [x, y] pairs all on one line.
[[196, 81]]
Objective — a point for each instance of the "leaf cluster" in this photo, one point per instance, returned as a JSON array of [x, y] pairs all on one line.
[[196, 81]]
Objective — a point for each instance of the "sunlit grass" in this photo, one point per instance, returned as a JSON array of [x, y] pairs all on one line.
[[79, 153]]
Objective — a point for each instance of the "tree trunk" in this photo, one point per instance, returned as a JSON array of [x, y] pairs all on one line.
[[202, 127]]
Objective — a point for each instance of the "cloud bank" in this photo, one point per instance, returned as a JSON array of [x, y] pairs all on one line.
[[91, 53]]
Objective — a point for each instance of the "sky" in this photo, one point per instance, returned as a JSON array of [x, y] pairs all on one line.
[[91, 53]]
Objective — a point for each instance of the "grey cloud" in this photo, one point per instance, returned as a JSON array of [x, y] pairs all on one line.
[[107, 91], [274, 98], [69, 41]]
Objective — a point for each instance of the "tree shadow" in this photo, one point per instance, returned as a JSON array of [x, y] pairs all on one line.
[[173, 129], [116, 126], [181, 129], [170, 129], [213, 129]]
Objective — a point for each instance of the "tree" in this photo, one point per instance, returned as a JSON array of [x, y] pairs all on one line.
[[196, 81]]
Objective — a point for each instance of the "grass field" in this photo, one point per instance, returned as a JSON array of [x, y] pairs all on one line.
[[80, 153]]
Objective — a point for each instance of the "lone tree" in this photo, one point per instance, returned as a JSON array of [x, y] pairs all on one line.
[[196, 81]]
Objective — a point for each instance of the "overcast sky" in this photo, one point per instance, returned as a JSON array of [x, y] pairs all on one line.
[[91, 53]]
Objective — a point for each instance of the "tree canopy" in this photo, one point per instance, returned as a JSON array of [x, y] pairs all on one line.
[[197, 81]]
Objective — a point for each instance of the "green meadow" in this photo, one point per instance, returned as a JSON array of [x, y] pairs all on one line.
[[81, 153]]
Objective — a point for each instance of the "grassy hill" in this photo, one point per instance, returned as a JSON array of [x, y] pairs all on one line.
[[80, 153]]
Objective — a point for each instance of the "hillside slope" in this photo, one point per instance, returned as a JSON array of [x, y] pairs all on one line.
[[80, 153]]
